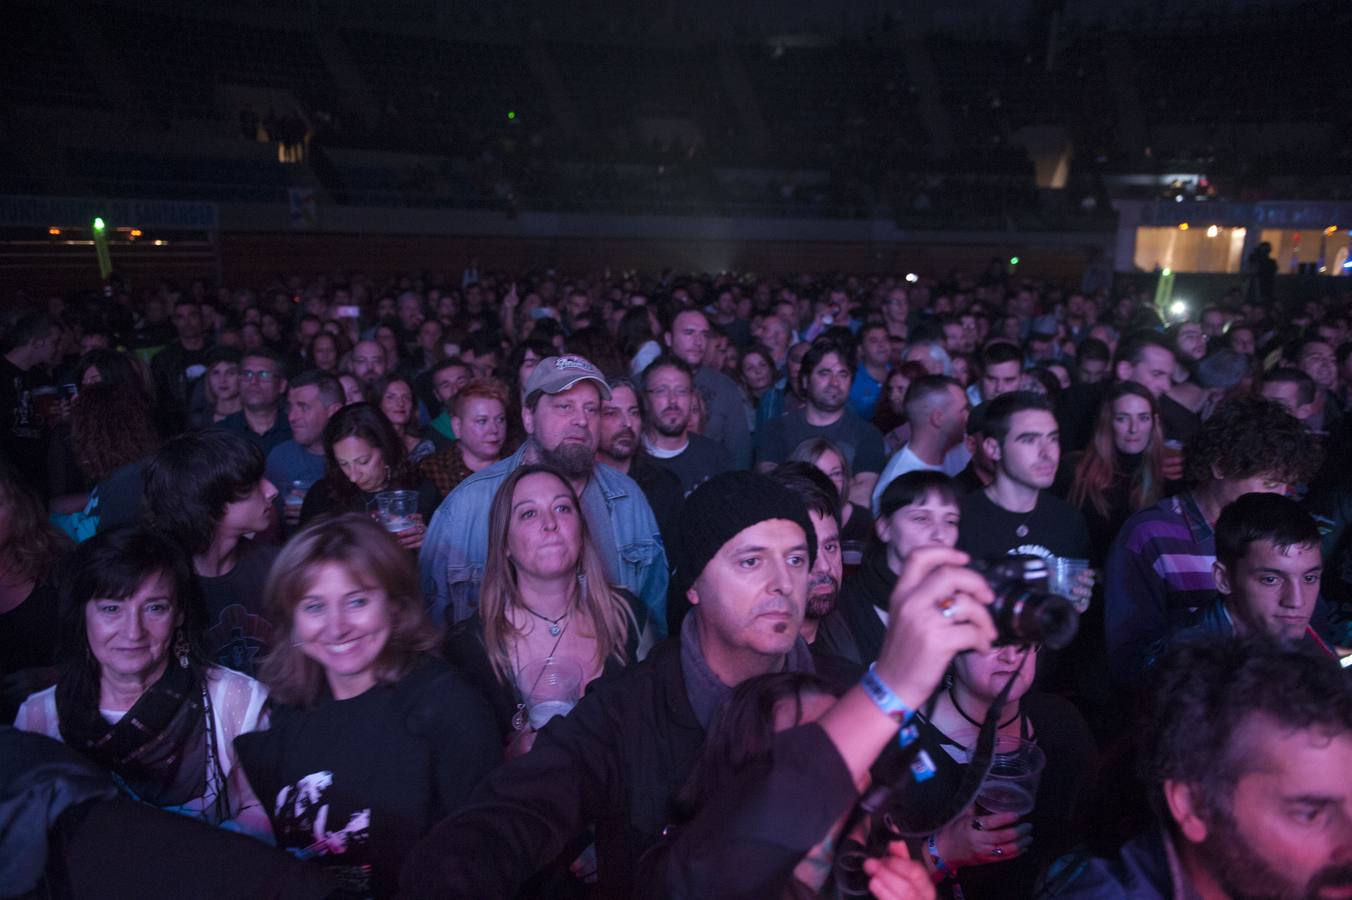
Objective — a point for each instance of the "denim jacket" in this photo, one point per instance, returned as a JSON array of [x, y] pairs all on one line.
[[456, 547]]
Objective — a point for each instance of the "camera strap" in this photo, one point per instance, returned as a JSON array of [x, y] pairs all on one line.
[[888, 801]]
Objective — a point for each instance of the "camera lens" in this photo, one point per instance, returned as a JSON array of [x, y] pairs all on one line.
[[1024, 612]]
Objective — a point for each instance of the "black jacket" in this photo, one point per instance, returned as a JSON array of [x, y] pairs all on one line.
[[616, 761], [854, 631]]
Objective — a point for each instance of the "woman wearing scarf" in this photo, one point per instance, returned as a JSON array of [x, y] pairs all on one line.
[[134, 692]]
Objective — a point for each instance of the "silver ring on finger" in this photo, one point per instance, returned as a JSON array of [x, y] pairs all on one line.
[[947, 607], [997, 851]]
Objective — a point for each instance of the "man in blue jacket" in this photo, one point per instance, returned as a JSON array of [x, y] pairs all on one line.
[[561, 413]]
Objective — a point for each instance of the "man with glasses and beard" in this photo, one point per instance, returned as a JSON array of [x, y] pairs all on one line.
[[1248, 758], [562, 416], [668, 392]]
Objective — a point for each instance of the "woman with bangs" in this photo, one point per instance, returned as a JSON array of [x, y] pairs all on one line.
[[136, 692], [373, 739]]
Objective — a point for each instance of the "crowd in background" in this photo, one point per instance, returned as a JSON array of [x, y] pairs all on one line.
[[299, 562]]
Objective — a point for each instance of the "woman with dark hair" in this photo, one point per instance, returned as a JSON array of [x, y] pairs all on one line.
[[1121, 470], [996, 853], [325, 350], [397, 402], [207, 489], [103, 366], [637, 335], [523, 359], [30, 549], [372, 739], [112, 437], [544, 595], [364, 456], [890, 417], [137, 694], [217, 394], [756, 376]]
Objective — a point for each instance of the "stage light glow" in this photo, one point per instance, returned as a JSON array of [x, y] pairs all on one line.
[[1178, 309], [511, 115], [135, 232], [98, 223], [912, 277], [1183, 226], [1013, 260], [54, 231], [1212, 231]]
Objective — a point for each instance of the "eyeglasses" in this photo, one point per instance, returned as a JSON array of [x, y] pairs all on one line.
[[262, 375]]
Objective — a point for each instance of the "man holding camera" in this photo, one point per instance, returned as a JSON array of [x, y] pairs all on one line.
[[743, 556]]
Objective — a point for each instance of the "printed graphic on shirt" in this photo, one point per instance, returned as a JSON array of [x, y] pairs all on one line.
[[301, 818], [239, 639]]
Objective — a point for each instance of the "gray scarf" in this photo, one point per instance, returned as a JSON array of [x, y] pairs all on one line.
[[706, 692]]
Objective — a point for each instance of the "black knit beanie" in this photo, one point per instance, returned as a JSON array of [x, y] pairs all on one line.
[[721, 507]]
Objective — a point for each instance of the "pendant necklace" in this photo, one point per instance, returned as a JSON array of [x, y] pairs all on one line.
[[554, 627]]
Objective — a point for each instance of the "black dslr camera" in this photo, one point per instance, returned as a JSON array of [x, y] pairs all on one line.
[[1025, 612]]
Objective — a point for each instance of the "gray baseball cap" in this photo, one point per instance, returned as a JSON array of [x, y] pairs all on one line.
[[556, 374]]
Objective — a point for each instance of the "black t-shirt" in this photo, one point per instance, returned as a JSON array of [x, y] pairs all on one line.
[[1054, 528], [861, 443], [355, 783], [23, 435], [237, 636], [701, 460], [28, 638]]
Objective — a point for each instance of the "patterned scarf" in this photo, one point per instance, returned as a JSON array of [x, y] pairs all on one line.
[[158, 749]]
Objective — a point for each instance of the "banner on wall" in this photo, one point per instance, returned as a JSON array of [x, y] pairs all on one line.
[[78, 212]]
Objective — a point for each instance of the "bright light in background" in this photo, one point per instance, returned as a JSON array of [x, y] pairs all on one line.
[[1178, 309], [1013, 260], [1212, 231], [98, 223], [511, 115], [1183, 226], [1178, 198], [54, 231], [1332, 229], [1167, 271], [912, 277], [135, 232]]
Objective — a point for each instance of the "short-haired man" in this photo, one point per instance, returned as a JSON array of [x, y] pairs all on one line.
[[620, 446], [35, 346], [262, 384], [447, 377], [1160, 567], [1316, 358], [1246, 751], [937, 410], [1293, 389], [668, 386], [179, 365], [824, 380], [1092, 359], [819, 496], [561, 415], [1268, 567], [311, 399], [1016, 513], [724, 415], [874, 352], [208, 489], [1000, 371], [368, 362], [480, 421]]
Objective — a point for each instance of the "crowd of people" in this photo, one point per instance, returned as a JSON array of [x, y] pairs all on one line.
[[674, 586]]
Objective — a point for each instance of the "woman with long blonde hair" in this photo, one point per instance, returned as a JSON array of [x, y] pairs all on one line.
[[1121, 471], [544, 595]]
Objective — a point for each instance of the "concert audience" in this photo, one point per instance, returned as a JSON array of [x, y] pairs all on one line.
[[1150, 473]]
